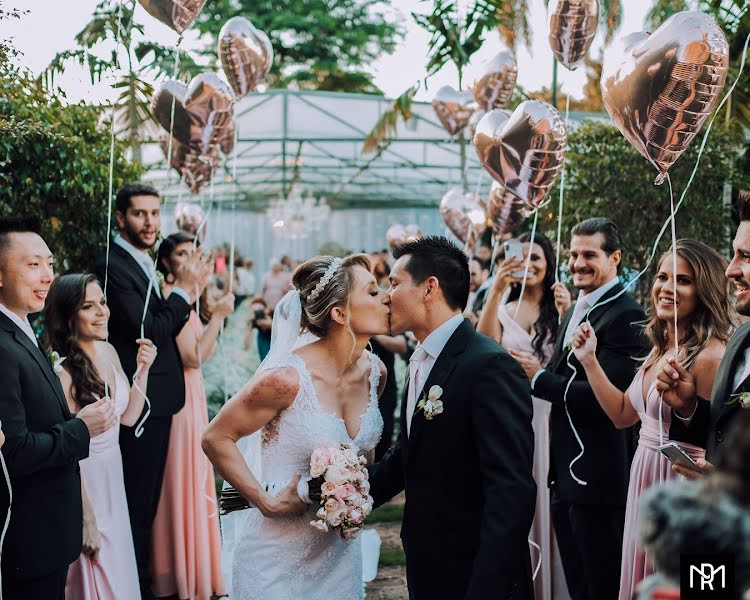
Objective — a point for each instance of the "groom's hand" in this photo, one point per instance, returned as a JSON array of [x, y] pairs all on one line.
[[528, 361], [286, 503]]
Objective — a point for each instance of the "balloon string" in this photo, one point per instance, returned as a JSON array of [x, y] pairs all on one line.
[[171, 111], [653, 250], [539, 562], [528, 264], [107, 234], [561, 201], [139, 426], [7, 515], [674, 263]]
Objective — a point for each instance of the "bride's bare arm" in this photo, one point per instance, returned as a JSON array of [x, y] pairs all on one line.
[[259, 401]]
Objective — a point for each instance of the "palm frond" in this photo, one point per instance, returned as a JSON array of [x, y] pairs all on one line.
[[661, 11], [160, 60], [387, 124]]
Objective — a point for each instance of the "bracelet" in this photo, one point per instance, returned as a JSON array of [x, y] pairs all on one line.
[[686, 419]]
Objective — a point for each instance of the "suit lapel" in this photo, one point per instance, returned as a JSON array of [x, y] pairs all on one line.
[[39, 357], [561, 337], [135, 267], [725, 376], [439, 374]]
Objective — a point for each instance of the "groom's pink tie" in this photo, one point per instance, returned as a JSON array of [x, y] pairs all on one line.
[[415, 383]]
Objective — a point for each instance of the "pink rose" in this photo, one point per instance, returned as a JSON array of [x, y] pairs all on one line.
[[331, 505], [344, 491], [336, 474], [356, 516], [328, 488]]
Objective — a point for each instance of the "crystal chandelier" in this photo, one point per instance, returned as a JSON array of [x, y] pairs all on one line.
[[296, 216]]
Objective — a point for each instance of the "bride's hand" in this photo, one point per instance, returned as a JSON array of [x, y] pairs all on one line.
[[284, 504]]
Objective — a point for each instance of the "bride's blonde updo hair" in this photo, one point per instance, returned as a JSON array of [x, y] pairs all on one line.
[[317, 302]]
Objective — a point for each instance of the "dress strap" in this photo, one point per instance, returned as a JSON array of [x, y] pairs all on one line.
[[374, 377]]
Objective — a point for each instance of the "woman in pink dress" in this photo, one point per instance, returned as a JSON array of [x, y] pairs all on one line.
[[76, 317], [186, 544], [704, 325], [532, 330]]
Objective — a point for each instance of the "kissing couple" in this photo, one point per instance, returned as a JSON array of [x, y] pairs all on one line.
[[464, 454]]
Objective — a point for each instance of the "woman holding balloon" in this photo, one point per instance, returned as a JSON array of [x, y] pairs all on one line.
[[529, 324]]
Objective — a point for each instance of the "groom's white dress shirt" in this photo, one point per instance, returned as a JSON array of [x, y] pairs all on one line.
[[423, 359], [23, 324]]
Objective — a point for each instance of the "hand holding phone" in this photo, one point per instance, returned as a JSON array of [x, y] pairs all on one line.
[[677, 456], [514, 249]]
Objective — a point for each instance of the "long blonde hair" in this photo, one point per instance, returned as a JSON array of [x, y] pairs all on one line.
[[714, 314]]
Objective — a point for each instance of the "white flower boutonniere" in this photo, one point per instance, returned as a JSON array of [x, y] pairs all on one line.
[[431, 403], [55, 361], [743, 399], [160, 278]]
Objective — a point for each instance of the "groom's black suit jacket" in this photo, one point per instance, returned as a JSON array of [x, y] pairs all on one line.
[[605, 465], [467, 473], [713, 420], [127, 286], [43, 444]]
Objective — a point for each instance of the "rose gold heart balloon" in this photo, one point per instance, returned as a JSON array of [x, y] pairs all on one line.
[[413, 232], [494, 85], [177, 14], [505, 212], [525, 152], [396, 233], [453, 108], [464, 214], [226, 141], [201, 111], [659, 89], [246, 54], [572, 27], [485, 132], [195, 168]]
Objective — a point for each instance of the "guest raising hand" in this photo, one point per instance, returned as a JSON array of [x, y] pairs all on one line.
[[76, 318], [186, 549], [703, 329]]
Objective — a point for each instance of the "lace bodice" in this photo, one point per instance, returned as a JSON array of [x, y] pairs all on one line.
[[291, 438]]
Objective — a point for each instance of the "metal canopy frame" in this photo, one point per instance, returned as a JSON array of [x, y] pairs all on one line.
[[314, 140]]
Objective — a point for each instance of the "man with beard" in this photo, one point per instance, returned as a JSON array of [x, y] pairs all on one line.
[[588, 478], [700, 421], [129, 277]]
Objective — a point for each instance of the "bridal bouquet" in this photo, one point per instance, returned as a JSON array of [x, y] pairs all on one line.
[[338, 483]]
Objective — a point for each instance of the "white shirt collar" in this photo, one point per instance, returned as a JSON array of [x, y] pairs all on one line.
[[141, 256], [594, 297], [23, 324], [434, 343]]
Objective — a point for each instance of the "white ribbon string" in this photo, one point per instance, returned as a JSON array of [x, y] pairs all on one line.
[[561, 200], [539, 562], [152, 283], [528, 264], [172, 108], [7, 516], [654, 248]]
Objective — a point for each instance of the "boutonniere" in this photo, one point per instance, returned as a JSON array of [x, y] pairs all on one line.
[[431, 403], [742, 398], [55, 361], [160, 278]]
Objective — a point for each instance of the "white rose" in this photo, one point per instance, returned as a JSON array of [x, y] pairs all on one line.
[[338, 459], [435, 392], [319, 525], [336, 475]]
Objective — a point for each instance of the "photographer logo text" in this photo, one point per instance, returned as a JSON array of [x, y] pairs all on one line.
[[706, 577]]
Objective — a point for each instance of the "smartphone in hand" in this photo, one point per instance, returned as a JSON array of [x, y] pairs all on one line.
[[677, 456], [514, 249]]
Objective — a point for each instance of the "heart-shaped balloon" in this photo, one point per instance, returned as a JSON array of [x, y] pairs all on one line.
[[525, 152], [659, 89], [177, 14], [486, 129], [195, 169], [464, 214], [453, 108], [246, 54], [202, 110], [494, 84], [572, 27], [226, 141], [505, 212], [188, 217], [413, 232], [396, 233]]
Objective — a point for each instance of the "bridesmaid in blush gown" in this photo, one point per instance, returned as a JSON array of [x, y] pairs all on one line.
[[704, 325], [533, 331], [186, 543], [76, 317]]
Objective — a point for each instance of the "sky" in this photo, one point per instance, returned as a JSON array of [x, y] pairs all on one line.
[[51, 25]]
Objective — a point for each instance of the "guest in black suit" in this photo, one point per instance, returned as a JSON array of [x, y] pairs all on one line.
[[700, 421], [127, 278], [44, 442], [465, 459], [589, 493]]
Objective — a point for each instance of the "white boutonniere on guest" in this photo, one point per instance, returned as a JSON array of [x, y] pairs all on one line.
[[55, 361], [743, 399], [431, 403], [160, 278]]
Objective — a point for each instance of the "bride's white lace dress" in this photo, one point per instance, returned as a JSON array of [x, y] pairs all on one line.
[[280, 559]]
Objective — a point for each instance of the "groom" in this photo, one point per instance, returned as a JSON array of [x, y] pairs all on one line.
[[465, 451]]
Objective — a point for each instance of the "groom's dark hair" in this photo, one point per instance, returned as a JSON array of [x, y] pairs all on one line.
[[438, 257]]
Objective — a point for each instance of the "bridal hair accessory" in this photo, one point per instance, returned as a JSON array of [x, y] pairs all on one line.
[[327, 276]]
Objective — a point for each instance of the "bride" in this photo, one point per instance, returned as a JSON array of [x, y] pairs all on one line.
[[304, 395]]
